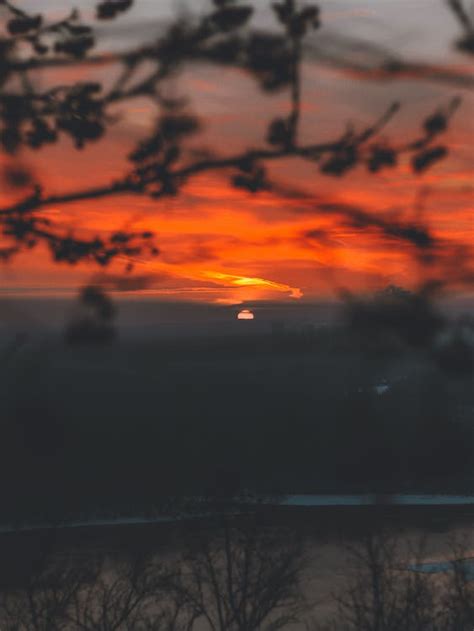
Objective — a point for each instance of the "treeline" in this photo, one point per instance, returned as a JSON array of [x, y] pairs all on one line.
[[240, 576], [386, 590], [236, 577]]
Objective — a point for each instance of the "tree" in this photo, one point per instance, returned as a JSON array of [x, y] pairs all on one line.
[[381, 594], [244, 577], [132, 594], [388, 590], [41, 601], [457, 597], [127, 595]]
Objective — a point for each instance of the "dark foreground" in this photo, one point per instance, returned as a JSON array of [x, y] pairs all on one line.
[[319, 544]]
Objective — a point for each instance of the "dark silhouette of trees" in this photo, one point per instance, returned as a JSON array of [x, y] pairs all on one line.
[[388, 590], [129, 594], [244, 577], [42, 599], [457, 600], [382, 595]]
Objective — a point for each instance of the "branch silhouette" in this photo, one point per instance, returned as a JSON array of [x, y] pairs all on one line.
[[466, 42], [163, 163]]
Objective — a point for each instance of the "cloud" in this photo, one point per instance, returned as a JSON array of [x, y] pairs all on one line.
[[247, 281]]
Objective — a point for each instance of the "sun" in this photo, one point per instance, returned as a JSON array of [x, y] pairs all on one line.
[[245, 314]]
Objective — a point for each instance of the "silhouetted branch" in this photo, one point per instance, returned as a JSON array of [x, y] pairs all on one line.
[[161, 163], [466, 21], [154, 175]]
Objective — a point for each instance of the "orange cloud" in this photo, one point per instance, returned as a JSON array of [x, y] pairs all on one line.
[[222, 244], [246, 281]]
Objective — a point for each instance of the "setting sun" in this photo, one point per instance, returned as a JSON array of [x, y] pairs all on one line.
[[245, 314]]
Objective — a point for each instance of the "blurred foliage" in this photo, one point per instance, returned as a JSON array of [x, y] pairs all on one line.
[[162, 162]]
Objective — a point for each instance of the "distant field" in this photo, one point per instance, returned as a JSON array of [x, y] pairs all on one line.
[[119, 428]]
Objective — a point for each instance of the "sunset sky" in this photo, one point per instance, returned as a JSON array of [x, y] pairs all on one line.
[[219, 244]]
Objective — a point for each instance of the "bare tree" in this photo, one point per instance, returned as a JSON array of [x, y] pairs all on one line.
[[243, 578], [381, 594], [89, 595], [457, 596], [43, 602], [387, 588], [130, 595]]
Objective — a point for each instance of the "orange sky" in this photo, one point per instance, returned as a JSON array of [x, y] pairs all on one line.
[[221, 244]]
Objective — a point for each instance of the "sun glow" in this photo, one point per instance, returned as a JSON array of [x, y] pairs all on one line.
[[248, 281], [245, 314]]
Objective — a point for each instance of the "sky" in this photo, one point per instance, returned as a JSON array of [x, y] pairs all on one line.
[[299, 242]]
